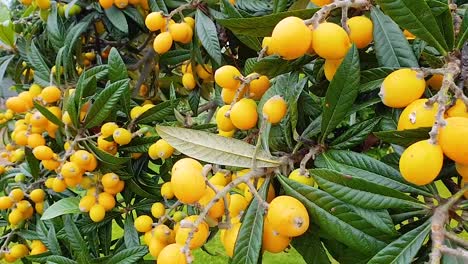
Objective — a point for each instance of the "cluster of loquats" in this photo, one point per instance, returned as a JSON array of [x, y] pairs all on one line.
[[202, 71], [121, 4], [422, 162], [45, 5], [19, 251], [174, 234], [169, 31], [240, 93], [293, 37]]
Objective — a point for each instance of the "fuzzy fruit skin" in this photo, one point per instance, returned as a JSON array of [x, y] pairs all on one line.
[[161, 149], [122, 136], [158, 210], [172, 254], [258, 87], [244, 114], [154, 21], [238, 204], [188, 81], [458, 110], [453, 139], [295, 175], [226, 77], [97, 213], [462, 170], [288, 216], [435, 82], [143, 223], [199, 237], [275, 109], [187, 180], [224, 123], [321, 3], [163, 42], [401, 88], [167, 191], [330, 41], [292, 38], [417, 115], [229, 238], [272, 241], [218, 208], [421, 162], [181, 32], [361, 31], [330, 67]]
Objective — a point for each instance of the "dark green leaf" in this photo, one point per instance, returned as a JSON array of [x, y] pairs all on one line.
[[117, 68], [55, 30], [105, 103], [416, 17], [135, 15], [341, 93], [279, 5], [33, 163], [310, 247], [4, 61], [355, 135], [129, 255], [372, 79], [75, 239], [49, 115], [41, 70], [48, 236], [194, 101], [174, 57], [362, 193], [117, 18], [74, 35], [60, 260], [263, 24], [131, 237], [367, 168], [404, 137], [100, 71], [158, 113], [63, 206], [405, 248], [273, 66], [391, 47], [334, 216], [139, 144], [106, 157], [380, 219], [444, 20], [249, 241], [206, 32], [463, 35]]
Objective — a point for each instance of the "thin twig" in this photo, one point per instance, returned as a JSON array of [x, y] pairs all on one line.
[[462, 242]]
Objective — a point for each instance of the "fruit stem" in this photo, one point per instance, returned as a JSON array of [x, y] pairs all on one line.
[[439, 219], [313, 151], [324, 12], [244, 82]]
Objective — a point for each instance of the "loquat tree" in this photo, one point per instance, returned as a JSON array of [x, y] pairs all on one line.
[[234, 131]]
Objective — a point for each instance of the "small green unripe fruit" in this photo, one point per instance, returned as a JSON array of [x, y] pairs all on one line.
[[19, 177]]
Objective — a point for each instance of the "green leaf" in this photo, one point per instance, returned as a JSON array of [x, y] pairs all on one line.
[[99, 71], [7, 33], [249, 240], [273, 66], [216, 149], [117, 68], [49, 115], [341, 93], [174, 57], [139, 144], [367, 168], [405, 248], [133, 13], [131, 237], [41, 70], [4, 62], [48, 237], [391, 47], [373, 78], [310, 247], [207, 33], [33, 163], [362, 193], [105, 103], [463, 35], [60, 260], [404, 138], [416, 17], [158, 113], [334, 216], [380, 219], [76, 241], [444, 20], [194, 101], [279, 5], [263, 25], [55, 29], [63, 206], [355, 135], [106, 157], [117, 18], [129, 255], [73, 36]]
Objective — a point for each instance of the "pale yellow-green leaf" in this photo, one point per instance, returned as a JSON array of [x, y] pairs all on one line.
[[215, 149]]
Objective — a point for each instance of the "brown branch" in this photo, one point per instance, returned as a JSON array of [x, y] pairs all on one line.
[[324, 12]]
